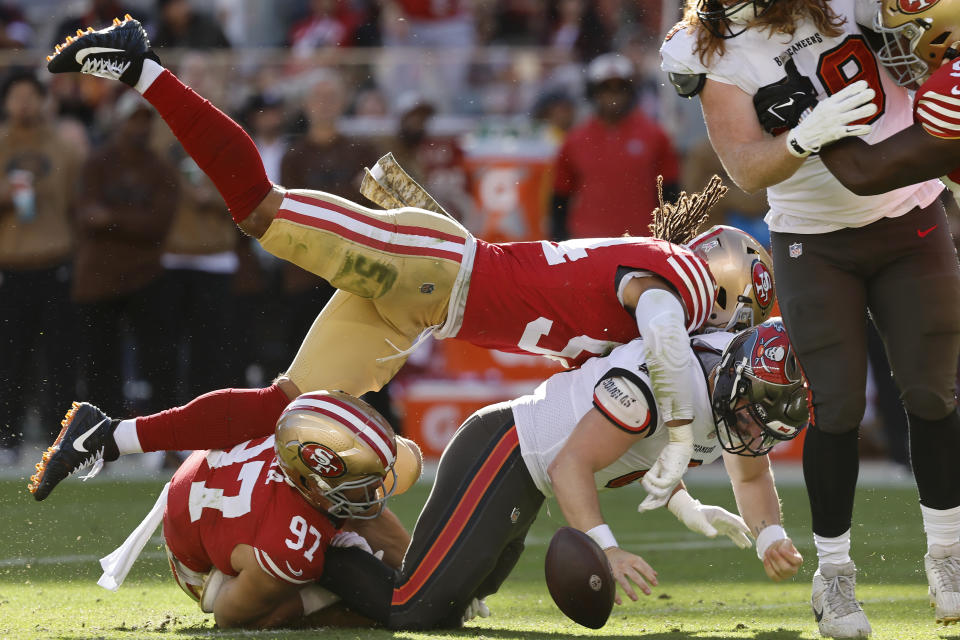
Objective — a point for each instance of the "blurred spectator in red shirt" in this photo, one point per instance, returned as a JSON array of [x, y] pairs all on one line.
[[606, 171], [330, 23]]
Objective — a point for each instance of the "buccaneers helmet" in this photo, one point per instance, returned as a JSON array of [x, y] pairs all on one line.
[[758, 395], [730, 19], [337, 451], [917, 36], [742, 269]]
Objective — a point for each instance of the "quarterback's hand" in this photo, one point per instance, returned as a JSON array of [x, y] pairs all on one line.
[[627, 568], [830, 120], [708, 519], [782, 560], [667, 471], [350, 539], [780, 105]]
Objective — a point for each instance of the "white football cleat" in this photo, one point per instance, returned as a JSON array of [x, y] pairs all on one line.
[[943, 575], [834, 602]]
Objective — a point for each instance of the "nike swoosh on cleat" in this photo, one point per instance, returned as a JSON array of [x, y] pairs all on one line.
[[818, 614], [78, 443], [83, 53]]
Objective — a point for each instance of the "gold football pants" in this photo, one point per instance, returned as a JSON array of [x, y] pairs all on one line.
[[395, 270]]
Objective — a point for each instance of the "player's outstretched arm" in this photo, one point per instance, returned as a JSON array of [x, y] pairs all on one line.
[[594, 444], [759, 504], [907, 157], [661, 321]]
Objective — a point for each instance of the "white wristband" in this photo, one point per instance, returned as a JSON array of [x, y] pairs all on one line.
[[602, 535], [768, 536]]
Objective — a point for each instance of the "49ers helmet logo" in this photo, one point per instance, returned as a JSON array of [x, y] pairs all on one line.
[[915, 6], [762, 284], [323, 460]]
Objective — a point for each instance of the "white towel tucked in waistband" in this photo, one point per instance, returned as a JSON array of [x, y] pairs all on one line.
[[117, 565]]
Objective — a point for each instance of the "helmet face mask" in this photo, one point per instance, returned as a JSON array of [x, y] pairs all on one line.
[[742, 270], [729, 19], [758, 396], [916, 40], [336, 450]]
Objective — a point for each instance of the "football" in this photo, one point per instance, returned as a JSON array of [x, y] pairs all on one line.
[[578, 577]]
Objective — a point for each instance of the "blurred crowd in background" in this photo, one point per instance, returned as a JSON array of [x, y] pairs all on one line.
[[123, 280]]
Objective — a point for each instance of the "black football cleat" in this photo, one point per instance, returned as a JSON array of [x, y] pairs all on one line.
[[86, 439], [115, 53]]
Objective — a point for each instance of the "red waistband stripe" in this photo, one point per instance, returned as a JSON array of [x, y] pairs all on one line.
[[459, 518]]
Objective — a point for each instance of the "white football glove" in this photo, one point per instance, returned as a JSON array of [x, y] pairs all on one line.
[[709, 520], [830, 120], [477, 607], [667, 471], [350, 539]]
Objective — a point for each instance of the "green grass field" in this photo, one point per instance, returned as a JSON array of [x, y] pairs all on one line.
[[708, 589]]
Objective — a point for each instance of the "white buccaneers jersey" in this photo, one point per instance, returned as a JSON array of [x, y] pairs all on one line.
[[619, 387], [812, 200]]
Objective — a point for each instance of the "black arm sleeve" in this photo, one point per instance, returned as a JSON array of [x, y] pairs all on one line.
[[559, 207], [363, 582], [909, 156]]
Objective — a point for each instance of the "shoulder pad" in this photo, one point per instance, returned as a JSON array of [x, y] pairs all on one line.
[[687, 85], [936, 106], [626, 400]]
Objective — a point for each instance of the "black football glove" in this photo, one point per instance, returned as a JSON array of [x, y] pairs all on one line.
[[780, 105]]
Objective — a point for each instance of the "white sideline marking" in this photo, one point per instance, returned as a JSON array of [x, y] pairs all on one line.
[[531, 541], [74, 559]]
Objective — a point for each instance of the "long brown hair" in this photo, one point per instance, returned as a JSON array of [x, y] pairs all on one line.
[[780, 17]]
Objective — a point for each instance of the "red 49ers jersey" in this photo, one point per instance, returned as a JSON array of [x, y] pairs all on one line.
[[936, 105], [219, 499], [560, 299]]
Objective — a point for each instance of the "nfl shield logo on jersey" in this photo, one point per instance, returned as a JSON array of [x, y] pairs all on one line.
[[796, 249]]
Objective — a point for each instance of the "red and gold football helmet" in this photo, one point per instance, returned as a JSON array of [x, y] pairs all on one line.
[[743, 271], [917, 35], [337, 451]]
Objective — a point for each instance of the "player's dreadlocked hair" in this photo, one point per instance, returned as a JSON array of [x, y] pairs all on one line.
[[678, 223]]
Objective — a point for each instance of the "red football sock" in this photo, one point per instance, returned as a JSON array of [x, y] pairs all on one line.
[[217, 144], [216, 420]]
